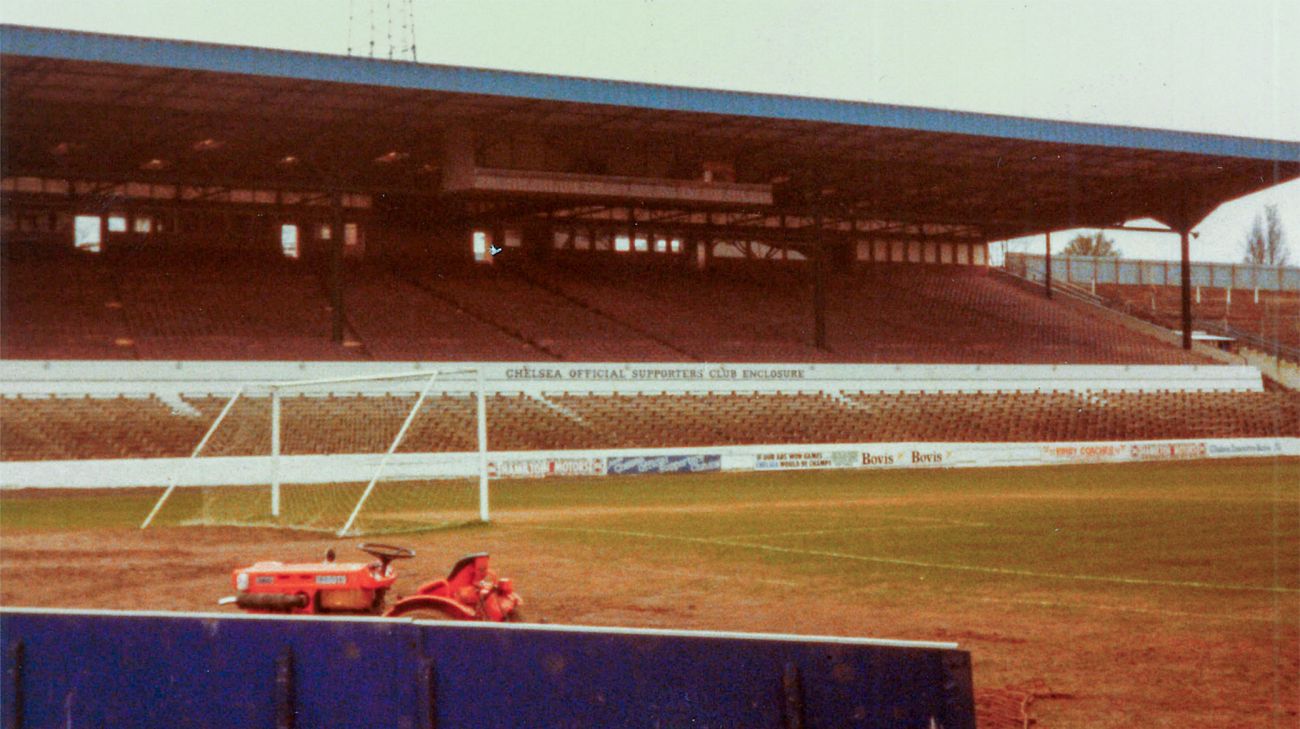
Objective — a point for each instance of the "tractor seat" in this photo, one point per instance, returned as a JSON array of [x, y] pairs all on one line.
[[444, 586], [463, 563]]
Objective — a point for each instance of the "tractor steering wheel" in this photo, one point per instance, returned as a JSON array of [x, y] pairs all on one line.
[[386, 553]]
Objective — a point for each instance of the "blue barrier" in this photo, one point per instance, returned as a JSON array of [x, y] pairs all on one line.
[[616, 465], [101, 668]]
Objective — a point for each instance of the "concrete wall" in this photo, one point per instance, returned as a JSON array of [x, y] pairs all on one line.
[[75, 378]]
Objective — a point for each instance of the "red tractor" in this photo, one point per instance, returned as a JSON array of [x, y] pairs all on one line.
[[472, 591]]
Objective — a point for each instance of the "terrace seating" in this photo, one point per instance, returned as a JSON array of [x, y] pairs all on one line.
[[318, 425], [226, 310], [909, 313], [1275, 317], [883, 313], [88, 428], [82, 428], [549, 322], [398, 320], [1094, 416], [152, 307], [707, 318], [161, 307], [368, 424], [62, 308], [668, 420]]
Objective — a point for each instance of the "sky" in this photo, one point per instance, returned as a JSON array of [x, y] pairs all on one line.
[[1193, 65]]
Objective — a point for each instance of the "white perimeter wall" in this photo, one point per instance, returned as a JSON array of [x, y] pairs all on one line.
[[107, 378], [127, 472]]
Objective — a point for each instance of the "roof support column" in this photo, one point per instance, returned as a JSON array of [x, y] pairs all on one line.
[[337, 234], [703, 252], [1182, 220], [1187, 287], [1047, 275], [819, 285]]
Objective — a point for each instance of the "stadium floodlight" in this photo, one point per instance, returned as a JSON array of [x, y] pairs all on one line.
[[350, 455]]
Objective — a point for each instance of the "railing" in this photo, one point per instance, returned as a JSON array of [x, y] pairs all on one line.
[[1271, 347], [1088, 270]]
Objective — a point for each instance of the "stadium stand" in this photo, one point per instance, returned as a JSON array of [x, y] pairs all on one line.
[[884, 313], [597, 309], [84, 428]]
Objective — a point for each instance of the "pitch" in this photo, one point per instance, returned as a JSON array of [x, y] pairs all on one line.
[[1168, 592]]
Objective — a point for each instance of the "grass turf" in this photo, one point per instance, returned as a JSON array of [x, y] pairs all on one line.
[[1190, 528], [1202, 535]]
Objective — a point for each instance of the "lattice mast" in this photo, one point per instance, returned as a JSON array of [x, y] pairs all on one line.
[[388, 25]]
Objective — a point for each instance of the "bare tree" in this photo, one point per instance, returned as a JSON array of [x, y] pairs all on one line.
[[1091, 245], [1266, 242]]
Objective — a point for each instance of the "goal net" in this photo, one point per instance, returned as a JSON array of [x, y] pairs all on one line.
[[351, 456]]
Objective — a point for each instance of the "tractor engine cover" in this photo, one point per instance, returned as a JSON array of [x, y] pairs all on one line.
[[310, 587], [349, 600]]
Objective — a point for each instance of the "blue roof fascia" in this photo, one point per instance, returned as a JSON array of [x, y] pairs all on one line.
[[81, 46]]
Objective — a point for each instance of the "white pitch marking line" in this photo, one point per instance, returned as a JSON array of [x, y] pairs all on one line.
[[845, 530], [936, 520], [930, 565], [1121, 608]]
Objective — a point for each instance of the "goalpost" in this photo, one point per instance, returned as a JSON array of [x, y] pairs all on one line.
[[349, 455]]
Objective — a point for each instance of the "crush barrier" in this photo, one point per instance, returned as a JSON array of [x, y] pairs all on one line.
[[141, 669]]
